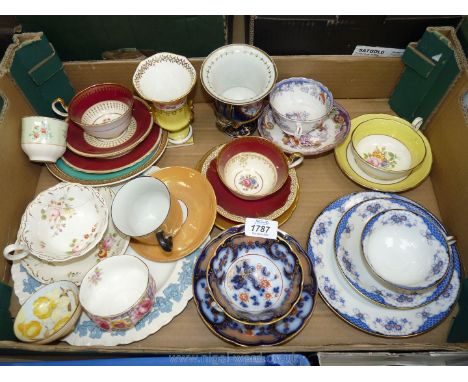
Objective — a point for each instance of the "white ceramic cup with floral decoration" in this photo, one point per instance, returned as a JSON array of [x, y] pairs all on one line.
[[43, 139], [62, 223], [118, 292]]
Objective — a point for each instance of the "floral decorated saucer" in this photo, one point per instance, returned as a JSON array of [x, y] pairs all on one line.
[[252, 335], [356, 309], [347, 244], [322, 139], [113, 243]]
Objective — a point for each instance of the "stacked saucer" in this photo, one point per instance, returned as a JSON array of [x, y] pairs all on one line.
[[254, 291], [303, 117], [385, 264], [111, 137], [264, 193]]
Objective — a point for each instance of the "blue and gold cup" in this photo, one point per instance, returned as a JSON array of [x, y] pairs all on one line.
[[239, 77]]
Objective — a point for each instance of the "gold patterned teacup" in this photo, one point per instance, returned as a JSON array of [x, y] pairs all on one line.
[[166, 79], [253, 168], [145, 210]]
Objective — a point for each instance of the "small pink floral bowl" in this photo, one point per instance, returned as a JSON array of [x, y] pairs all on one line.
[[118, 292]]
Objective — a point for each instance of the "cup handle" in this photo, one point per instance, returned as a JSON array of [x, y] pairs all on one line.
[[295, 159], [417, 123], [12, 248], [191, 108], [62, 104], [164, 241], [451, 240]]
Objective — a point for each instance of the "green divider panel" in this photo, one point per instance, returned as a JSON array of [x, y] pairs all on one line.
[[87, 37], [6, 322], [38, 71]]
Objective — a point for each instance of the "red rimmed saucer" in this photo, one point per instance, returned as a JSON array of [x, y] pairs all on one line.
[[104, 166], [236, 209], [88, 146]]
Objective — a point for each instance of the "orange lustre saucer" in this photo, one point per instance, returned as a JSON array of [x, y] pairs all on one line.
[[191, 188]]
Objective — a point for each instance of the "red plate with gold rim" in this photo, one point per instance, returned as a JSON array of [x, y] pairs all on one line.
[[236, 209], [104, 165], [88, 146]]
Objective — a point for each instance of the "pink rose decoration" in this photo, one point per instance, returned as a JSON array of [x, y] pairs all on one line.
[[55, 213], [373, 161], [145, 306], [103, 325]]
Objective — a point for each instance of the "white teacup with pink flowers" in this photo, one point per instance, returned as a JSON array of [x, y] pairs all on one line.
[[118, 292]]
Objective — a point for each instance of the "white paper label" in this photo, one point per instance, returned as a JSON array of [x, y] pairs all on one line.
[[377, 51], [267, 229]]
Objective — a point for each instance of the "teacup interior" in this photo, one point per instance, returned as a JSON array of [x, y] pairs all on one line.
[[400, 248], [239, 74], [258, 270], [103, 112], [382, 151], [121, 282], [299, 102], [165, 81], [250, 173], [388, 144], [141, 206]]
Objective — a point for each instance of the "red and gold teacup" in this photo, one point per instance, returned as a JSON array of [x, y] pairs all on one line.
[[102, 110], [253, 168]]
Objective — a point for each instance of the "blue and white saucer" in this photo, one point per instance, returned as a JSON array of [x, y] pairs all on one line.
[[353, 307], [252, 335], [356, 271]]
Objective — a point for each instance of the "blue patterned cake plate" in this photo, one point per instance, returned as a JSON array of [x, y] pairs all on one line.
[[356, 309], [347, 245], [252, 335]]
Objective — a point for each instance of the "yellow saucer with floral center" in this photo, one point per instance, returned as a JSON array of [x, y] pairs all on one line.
[[345, 159]]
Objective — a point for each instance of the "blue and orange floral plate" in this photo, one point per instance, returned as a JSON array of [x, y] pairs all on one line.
[[252, 335]]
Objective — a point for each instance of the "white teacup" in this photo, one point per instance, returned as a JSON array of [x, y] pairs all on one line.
[[145, 210], [406, 250], [43, 139]]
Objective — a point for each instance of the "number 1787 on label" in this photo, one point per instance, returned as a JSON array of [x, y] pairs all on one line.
[[261, 228]]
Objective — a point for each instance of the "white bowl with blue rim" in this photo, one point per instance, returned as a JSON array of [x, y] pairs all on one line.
[[406, 249], [300, 105], [255, 281]]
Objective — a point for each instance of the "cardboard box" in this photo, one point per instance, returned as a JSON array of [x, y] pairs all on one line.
[[361, 85]]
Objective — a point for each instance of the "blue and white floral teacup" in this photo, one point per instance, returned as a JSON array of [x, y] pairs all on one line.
[[255, 281], [300, 105], [406, 249]]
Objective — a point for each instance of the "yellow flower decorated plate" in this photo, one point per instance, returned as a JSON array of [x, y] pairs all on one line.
[[48, 314], [346, 161]]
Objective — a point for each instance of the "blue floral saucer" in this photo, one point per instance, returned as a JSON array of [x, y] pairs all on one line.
[[353, 307], [252, 335], [355, 269]]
